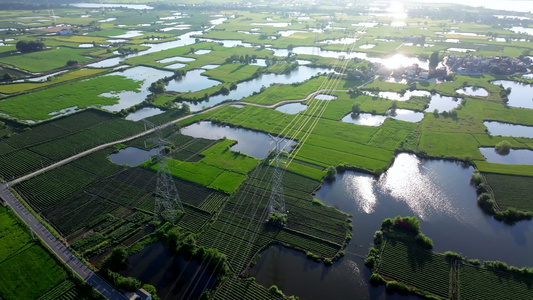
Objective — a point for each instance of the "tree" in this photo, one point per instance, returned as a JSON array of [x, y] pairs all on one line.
[[503, 147], [117, 259], [157, 87], [434, 60], [356, 108], [72, 62], [29, 46], [7, 77], [330, 173]]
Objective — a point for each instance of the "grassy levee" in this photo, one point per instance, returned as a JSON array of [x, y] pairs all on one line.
[[280, 92], [45, 60], [460, 136], [232, 72], [245, 289], [482, 81], [80, 94], [27, 270]]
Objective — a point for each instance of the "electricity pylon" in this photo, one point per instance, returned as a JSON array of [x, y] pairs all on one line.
[[167, 200], [277, 199]]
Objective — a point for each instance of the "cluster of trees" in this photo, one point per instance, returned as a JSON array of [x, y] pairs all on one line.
[[277, 219], [409, 225], [185, 243], [29, 46], [157, 87], [127, 50], [243, 59], [116, 262]]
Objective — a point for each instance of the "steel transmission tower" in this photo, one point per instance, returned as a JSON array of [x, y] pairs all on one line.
[[167, 200], [277, 199]]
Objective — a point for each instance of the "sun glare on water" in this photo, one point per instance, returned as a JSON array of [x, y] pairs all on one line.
[[397, 11]]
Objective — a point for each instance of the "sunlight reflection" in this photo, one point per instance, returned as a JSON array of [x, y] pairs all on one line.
[[363, 195], [406, 181], [396, 10]]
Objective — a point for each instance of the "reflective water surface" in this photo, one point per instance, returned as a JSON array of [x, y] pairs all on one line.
[[506, 129], [292, 108], [253, 143], [521, 94], [173, 276], [473, 91], [437, 192], [514, 157], [132, 156]]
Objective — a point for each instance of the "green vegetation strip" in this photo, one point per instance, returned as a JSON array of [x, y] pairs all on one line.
[[27, 270]]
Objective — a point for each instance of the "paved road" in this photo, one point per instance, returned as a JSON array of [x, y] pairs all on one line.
[[73, 262]]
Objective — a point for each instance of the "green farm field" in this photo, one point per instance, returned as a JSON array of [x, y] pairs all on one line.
[[28, 270], [81, 94], [45, 60]]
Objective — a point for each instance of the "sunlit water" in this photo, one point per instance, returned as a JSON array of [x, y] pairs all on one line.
[[144, 112], [364, 119], [247, 88], [401, 96], [473, 91], [437, 192], [128, 98], [253, 143], [392, 62]]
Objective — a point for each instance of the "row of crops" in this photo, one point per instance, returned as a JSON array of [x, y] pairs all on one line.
[[432, 272], [409, 263], [241, 230], [47, 143], [305, 216], [244, 289], [480, 283], [239, 244], [66, 290]]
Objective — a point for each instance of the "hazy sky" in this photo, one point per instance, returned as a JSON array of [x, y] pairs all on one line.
[[512, 5]]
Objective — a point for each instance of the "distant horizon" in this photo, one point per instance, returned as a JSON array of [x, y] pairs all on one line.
[[518, 5]]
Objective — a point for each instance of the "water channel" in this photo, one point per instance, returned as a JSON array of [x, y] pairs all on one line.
[[247, 88]]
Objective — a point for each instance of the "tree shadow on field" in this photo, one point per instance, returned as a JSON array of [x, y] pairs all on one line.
[[417, 257]]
